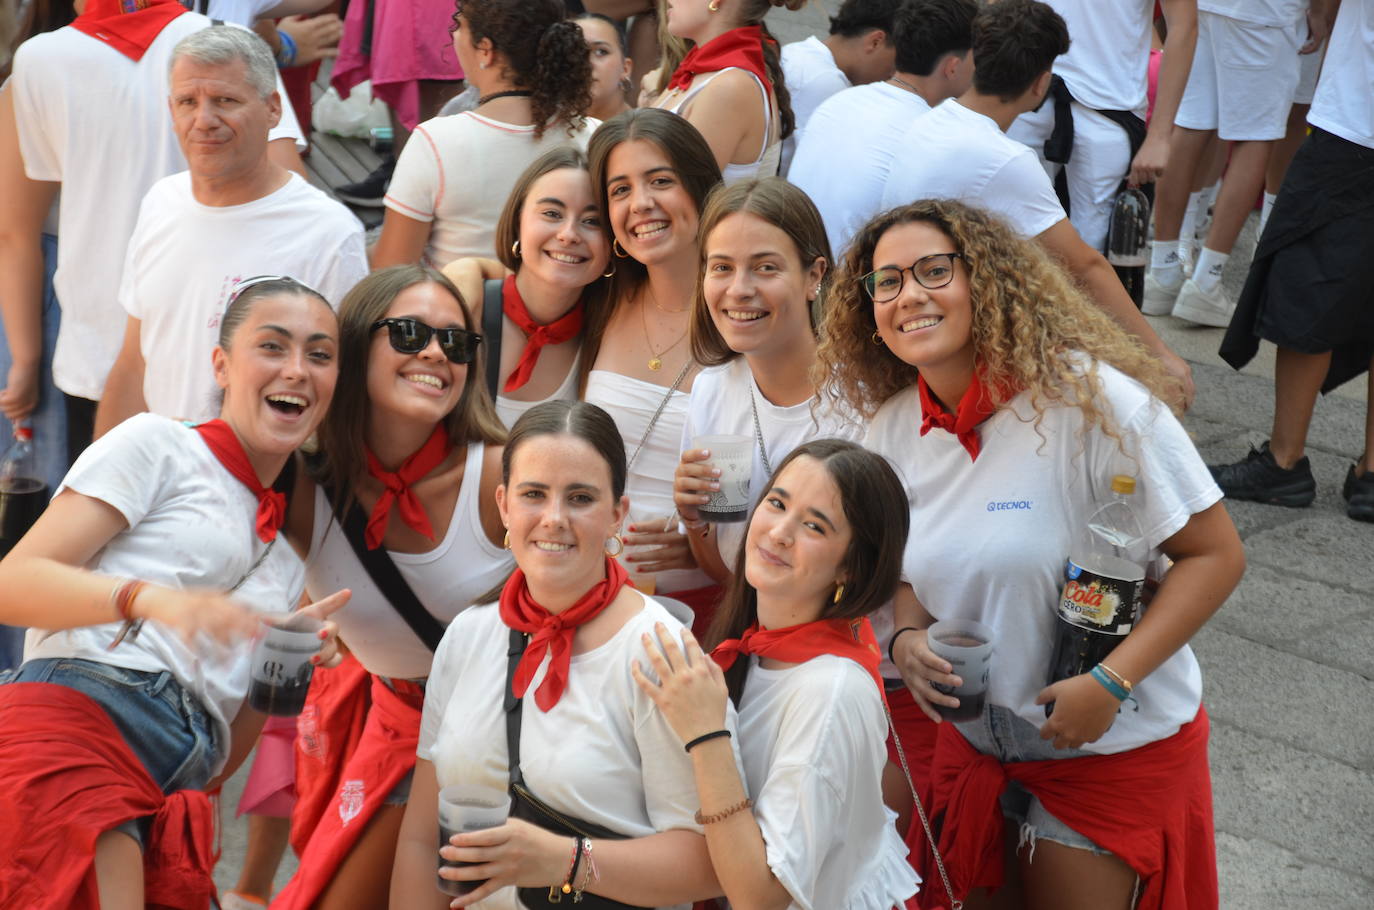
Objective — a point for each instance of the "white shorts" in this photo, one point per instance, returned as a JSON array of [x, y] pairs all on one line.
[[1243, 79], [1100, 160], [1309, 67]]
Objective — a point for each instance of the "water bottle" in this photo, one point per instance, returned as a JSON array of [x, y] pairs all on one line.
[[1103, 580], [1128, 240], [23, 495]]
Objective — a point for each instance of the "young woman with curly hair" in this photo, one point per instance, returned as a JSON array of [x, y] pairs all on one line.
[[730, 84], [534, 78], [1009, 402]]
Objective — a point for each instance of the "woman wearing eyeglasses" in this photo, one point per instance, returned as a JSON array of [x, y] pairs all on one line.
[[401, 503], [1009, 402]]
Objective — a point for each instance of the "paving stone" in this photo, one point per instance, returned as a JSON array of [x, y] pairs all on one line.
[[1331, 548], [1292, 614], [1344, 644], [1257, 875]]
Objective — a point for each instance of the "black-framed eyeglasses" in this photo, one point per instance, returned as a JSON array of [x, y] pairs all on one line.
[[931, 272], [411, 336]]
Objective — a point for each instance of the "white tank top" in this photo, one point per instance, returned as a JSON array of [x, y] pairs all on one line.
[[446, 580], [631, 403], [766, 165], [509, 409]]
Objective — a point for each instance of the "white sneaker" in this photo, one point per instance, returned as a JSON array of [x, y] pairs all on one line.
[[1204, 308], [1159, 298]]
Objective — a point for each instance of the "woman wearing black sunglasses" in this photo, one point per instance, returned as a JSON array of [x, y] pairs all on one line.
[[401, 502]]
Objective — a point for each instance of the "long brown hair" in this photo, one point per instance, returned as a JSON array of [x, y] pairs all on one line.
[[343, 435], [875, 505], [779, 203]]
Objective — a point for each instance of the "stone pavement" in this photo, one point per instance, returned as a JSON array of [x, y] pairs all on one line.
[[1288, 662]]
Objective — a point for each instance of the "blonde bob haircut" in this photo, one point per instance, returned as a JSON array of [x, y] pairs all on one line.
[[1030, 324], [785, 207]]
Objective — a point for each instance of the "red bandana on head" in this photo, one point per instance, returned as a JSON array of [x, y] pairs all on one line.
[[849, 638], [128, 26], [224, 444], [397, 487], [552, 632], [976, 406], [564, 328], [740, 47]]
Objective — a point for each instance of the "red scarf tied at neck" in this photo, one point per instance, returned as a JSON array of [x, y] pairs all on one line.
[[397, 487], [849, 638], [224, 444], [552, 632], [128, 26], [564, 328], [740, 47], [976, 406]]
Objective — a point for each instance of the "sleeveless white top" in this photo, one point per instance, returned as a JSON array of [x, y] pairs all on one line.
[[766, 165], [631, 403], [446, 580], [509, 409]]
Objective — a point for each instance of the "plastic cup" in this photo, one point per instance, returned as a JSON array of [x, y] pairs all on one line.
[[462, 808], [734, 457], [967, 645], [281, 668]]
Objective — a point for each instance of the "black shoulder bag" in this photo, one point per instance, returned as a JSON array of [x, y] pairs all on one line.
[[493, 308], [525, 805]]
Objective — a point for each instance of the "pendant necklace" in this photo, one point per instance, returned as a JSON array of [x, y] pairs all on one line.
[[656, 358]]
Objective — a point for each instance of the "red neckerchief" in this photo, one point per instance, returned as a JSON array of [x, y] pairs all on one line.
[[397, 487], [849, 638], [224, 444], [740, 47], [976, 406], [564, 328], [128, 26], [552, 632]]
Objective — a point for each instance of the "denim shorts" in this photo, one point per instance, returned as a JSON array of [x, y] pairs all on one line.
[[164, 726], [1008, 738]]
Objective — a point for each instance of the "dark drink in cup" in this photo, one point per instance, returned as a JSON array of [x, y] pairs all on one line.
[[967, 646], [281, 667], [464, 808], [448, 885], [22, 500]]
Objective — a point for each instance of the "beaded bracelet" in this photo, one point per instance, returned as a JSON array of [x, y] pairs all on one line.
[[722, 816], [1109, 684], [590, 875], [556, 892]]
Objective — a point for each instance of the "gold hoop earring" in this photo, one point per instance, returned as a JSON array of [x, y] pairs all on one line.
[[839, 592], [610, 273], [506, 542], [877, 339], [619, 546], [714, 6], [515, 249], [615, 248]]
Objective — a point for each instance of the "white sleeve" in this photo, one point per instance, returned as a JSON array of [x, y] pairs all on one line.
[[347, 266], [42, 160], [289, 126], [1021, 192], [443, 676], [129, 466], [418, 178], [128, 279]]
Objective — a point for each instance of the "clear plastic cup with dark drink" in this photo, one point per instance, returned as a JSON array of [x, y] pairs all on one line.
[[733, 456], [967, 646], [281, 669], [463, 808]]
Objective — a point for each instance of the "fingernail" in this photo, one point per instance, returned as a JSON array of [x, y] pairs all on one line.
[[705, 453], [315, 659], [634, 527], [715, 472], [715, 485]]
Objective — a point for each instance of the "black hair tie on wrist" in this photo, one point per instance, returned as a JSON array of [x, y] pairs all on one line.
[[893, 641], [715, 734]]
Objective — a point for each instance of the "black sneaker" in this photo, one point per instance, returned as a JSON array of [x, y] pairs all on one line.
[[1260, 479], [370, 190], [1359, 495]]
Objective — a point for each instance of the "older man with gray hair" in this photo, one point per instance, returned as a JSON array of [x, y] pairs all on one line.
[[233, 215]]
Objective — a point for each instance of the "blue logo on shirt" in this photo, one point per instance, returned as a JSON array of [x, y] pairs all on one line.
[[1010, 505]]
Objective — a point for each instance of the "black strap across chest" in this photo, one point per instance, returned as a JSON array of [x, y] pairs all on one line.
[[493, 309]]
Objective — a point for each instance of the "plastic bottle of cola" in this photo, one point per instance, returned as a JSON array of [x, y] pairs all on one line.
[[1103, 579], [23, 496]]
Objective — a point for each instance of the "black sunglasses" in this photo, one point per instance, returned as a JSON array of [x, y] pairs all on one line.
[[411, 336]]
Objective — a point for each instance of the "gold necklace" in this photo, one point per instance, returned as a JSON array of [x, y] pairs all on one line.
[[656, 361]]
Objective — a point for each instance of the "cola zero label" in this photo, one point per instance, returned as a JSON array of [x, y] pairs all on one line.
[[1099, 603]]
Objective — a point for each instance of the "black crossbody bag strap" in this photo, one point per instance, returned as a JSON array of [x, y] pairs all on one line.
[[493, 309], [387, 577]]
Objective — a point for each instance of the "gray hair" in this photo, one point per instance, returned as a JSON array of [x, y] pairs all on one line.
[[220, 44]]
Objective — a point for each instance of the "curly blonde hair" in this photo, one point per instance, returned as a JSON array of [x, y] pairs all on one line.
[[1030, 324]]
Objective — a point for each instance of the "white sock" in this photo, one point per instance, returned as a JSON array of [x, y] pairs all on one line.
[[1185, 230], [1209, 195], [1210, 265], [1264, 212], [1165, 264], [1202, 221]]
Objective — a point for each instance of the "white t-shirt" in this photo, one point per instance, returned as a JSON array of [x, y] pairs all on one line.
[[809, 69], [813, 738], [855, 133], [1283, 13], [238, 12], [185, 258], [991, 536], [720, 405], [96, 121], [604, 753], [1344, 103], [1107, 64], [371, 627], [457, 172], [954, 152], [191, 525]]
